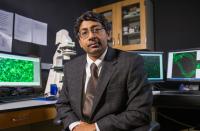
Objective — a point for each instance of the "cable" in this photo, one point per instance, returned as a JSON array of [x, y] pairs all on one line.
[[178, 122], [158, 87]]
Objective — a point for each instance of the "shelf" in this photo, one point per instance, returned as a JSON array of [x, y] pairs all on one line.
[[132, 34], [131, 41], [127, 17]]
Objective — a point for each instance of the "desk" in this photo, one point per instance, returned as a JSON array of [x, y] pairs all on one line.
[[177, 101], [26, 112], [173, 111]]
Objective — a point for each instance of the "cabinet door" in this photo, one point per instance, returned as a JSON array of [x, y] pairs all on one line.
[[109, 12], [132, 31]]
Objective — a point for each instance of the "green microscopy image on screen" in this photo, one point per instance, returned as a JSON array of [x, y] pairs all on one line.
[[185, 65], [152, 71], [12, 70]]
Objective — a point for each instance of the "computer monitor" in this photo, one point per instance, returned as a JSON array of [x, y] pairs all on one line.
[[19, 71], [153, 65], [184, 65]]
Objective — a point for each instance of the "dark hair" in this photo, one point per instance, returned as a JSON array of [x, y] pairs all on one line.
[[91, 16]]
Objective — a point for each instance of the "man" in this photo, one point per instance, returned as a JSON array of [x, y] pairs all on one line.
[[114, 94]]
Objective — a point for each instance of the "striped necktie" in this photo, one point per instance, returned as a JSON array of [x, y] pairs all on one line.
[[90, 92]]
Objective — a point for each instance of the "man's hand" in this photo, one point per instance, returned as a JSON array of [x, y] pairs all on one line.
[[85, 127]]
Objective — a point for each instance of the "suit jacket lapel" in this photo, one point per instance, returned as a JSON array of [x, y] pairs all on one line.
[[80, 79], [106, 72]]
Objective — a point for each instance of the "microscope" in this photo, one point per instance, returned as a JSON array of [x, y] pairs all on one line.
[[63, 52]]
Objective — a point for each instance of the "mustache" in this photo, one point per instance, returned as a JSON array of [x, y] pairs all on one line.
[[94, 41]]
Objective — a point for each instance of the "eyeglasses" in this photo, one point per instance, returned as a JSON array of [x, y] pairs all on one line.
[[85, 32]]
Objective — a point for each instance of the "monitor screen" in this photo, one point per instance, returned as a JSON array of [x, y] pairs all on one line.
[[19, 71], [153, 65], [184, 65]]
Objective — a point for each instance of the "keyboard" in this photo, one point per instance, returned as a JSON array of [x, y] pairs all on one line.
[[46, 98], [7, 99]]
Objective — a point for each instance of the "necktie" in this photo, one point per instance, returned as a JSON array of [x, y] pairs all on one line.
[[90, 92]]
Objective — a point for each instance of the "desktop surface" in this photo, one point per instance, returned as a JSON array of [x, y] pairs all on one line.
[[190, 92], [25, 104], [175, 99], [25, 97]]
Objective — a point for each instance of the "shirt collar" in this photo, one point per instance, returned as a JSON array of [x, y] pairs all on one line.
[[98, 61]]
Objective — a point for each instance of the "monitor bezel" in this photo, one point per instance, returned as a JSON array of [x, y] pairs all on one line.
[[25, 56], [153, 52], [184, 80]]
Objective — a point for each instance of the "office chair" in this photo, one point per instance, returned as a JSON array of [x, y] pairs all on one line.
[[154, 126]]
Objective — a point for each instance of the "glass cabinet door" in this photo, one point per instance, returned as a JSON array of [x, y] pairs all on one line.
[[133, 27], [107, 11], [109, 16], [131, 24], [128, 19]]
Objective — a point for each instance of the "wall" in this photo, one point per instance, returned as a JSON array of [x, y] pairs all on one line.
[[58, 14], [176, 24]]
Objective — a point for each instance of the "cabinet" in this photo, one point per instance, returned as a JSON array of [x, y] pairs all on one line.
[[132, 24], [9, 119]]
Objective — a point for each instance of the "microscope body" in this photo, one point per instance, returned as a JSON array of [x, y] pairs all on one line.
[[63, 52]]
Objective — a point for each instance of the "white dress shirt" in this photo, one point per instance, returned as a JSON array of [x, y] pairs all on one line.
[[98, 62]]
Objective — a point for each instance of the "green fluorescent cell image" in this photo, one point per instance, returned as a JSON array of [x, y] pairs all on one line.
[[152, 71], [198, 64], [16, 70], [185, 65]]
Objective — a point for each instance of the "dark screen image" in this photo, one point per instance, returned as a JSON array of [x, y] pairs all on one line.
[[16, 70], [185, 65], [152, 66]]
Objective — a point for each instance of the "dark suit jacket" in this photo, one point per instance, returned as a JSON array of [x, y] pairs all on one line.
[[123, 98]]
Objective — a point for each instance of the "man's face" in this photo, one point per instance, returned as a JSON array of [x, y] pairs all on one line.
[[93, 38]]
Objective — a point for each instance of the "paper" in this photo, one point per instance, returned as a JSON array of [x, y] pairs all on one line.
[[30, 30], [39, 33], [6, 22], [23, 28], [6, 31], [5, 42]]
